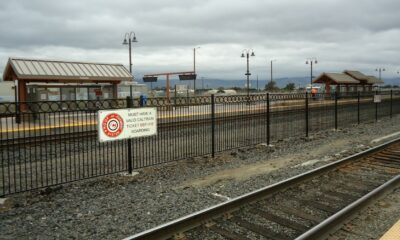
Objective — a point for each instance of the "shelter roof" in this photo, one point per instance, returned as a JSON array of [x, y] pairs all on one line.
[[357, 75], [55, 70], [336, 78], [374, 80]]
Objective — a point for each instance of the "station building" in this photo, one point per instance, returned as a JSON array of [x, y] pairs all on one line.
[[53, 80], [348, 82]]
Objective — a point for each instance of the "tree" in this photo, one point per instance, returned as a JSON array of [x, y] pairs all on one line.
[[271, 86], [290, 86]]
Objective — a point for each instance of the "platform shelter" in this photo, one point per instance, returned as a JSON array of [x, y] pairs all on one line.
[[47, 80], [340, 80], [347, 82]]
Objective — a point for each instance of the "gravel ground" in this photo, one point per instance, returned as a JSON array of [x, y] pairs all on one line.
[[114, 207]]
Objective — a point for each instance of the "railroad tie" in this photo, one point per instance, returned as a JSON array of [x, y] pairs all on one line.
[[227, 234], [260, 229], [280, 220], [301, 214]]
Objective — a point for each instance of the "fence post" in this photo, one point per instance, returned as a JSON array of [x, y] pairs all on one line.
[[129, 104], [336, 110], [212, 125], [358, 108], [306, 114], [391, 103], [175, 95], [17, 114], [376, 107], [268, 122]]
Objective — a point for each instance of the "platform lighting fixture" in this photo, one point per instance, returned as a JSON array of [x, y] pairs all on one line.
[[311, 61], [380, 70], [248, 53], [128, 39]]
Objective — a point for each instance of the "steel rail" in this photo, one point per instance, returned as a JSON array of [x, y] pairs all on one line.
[[331, 224], [191, 221]]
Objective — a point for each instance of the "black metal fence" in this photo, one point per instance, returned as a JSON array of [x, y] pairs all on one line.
[[49, 143]]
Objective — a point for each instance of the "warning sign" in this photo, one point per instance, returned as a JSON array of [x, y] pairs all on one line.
[[126, 123], [377, 98], [112, 125]]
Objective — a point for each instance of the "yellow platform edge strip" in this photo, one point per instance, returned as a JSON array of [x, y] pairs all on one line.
[[35, 128], [393, 233]]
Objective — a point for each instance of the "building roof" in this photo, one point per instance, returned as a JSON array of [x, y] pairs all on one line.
[[336, 78], [374, 80], [53, 70], [356, 74], [367, 79]]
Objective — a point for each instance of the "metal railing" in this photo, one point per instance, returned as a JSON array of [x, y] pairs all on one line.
[[48, 143]]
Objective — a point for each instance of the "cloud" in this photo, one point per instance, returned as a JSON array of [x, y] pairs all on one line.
[[360, 34]]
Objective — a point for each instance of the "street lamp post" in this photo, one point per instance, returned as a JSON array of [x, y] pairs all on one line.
[[312, 61], [130, 38], [380, 70], [247, 52]]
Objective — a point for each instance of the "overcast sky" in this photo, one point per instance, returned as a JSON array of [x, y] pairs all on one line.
[[342, 34]]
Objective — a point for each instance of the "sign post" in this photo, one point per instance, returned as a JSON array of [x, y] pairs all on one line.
[[127, 123], [377, 98]]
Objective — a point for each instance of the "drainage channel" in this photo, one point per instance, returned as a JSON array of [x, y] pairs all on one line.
[[307, 206]]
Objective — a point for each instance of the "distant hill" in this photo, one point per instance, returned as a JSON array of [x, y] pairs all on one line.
[[216, 83]]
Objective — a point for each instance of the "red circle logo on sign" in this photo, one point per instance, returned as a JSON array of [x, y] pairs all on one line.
[[112, 125]]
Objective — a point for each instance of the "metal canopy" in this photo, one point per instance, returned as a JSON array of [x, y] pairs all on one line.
[[336, 78], [53, 70]]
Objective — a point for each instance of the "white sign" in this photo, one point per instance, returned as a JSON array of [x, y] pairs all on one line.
[[377, 98], [120, 124]]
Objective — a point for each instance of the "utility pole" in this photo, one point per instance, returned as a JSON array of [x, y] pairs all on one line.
[[194, 68], [271, 71], [257, 82]]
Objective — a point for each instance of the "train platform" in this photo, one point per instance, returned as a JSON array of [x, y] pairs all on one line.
[[393, 233], [60, 120]]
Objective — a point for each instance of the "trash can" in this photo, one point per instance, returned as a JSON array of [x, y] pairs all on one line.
[[142, 100]]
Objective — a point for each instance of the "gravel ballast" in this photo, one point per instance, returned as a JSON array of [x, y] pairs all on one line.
[[116, 206]]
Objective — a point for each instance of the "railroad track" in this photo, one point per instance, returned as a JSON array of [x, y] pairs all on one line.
[[308, 206]]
